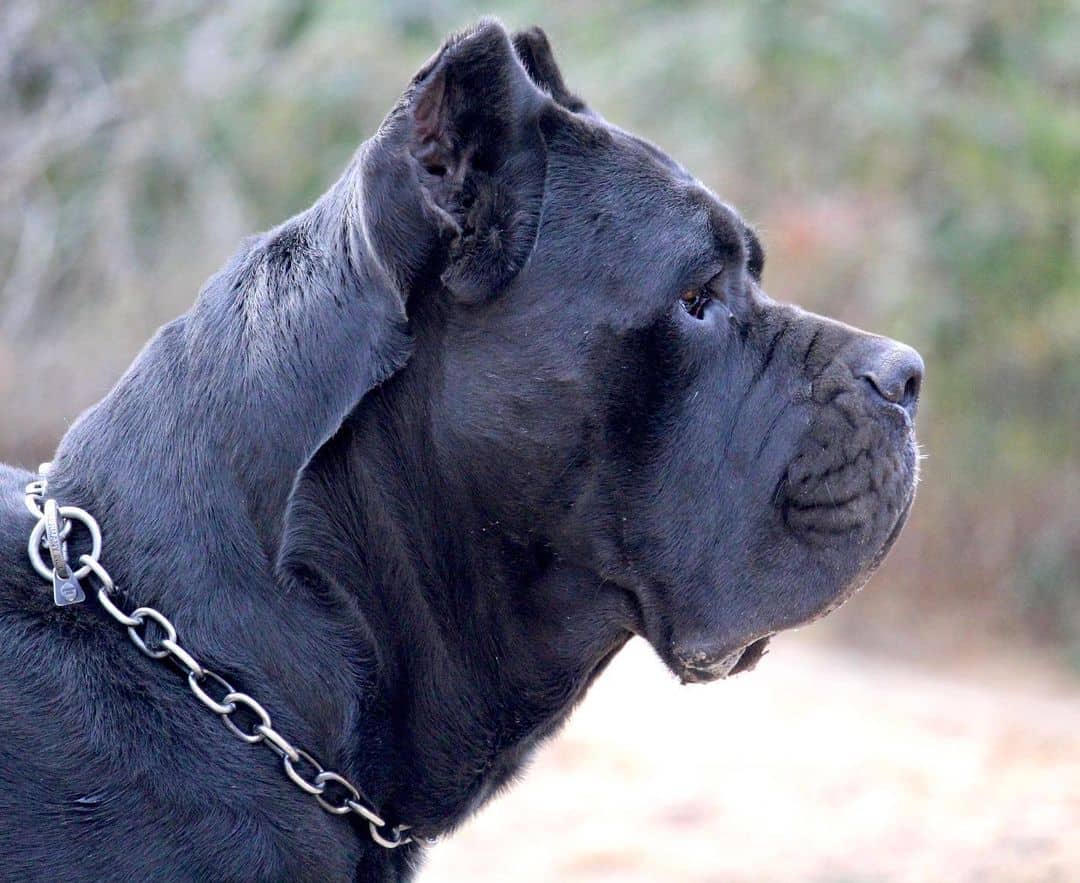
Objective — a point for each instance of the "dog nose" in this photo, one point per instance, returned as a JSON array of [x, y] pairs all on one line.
[[895, 372]]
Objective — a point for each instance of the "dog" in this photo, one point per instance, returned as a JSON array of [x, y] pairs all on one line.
[[412, 470]]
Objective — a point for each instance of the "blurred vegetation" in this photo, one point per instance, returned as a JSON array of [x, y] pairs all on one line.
[[914, 167]]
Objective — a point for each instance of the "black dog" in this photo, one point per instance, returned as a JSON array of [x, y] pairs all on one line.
[[413, 469]]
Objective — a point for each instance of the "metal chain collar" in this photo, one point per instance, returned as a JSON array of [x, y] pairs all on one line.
[[332, 791]]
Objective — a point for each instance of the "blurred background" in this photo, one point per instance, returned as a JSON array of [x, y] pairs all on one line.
[[913, 167]]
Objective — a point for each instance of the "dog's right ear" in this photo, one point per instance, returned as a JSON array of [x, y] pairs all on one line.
[[479, 157], [452, 184]]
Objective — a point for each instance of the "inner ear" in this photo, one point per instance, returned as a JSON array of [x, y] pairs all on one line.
[[479, 157], [433, 148]]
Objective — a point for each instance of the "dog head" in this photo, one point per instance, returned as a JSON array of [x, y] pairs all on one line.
[[606, 378]]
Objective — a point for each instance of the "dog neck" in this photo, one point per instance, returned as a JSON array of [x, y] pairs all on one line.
[[188, 463], [479, 643], [447, 650]]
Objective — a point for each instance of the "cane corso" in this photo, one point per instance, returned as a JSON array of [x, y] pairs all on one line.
[[413, 469]]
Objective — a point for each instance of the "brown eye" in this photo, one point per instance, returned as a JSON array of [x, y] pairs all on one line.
[[695, 300]]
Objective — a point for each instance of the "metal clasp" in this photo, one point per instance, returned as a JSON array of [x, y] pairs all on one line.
[[51, 532]]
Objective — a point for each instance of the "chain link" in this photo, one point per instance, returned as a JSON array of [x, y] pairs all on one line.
[[54, 525]]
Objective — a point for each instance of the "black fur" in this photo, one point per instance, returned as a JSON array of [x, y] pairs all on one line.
[[413, 469]]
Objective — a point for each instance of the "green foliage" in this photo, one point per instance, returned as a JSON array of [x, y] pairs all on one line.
[[914, 167]]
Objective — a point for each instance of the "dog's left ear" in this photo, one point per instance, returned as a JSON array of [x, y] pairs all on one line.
[[479, 157], [534, 50]]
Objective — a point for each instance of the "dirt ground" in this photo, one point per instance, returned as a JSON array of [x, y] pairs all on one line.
[[821, 766]]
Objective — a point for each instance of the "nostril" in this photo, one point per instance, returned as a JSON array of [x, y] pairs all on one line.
[[880, 388], [911, 391], [897, 376]]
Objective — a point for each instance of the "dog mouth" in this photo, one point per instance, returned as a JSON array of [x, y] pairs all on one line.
[[830, 561], [738, 661], [863, 502]]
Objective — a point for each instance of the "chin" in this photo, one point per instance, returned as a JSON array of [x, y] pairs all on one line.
[[736, 662], [704, 660]]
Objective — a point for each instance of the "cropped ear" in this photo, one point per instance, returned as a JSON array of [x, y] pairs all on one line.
[[534, 50], [479, 157]]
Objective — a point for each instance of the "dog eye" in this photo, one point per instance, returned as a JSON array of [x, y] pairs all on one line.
[[695, 300]]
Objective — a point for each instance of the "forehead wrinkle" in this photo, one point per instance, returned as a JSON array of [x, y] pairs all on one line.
[[728, 233], [726, 226], [669, 229]]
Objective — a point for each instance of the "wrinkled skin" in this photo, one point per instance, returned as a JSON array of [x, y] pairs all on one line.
[[412, 470], [736, 472]]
